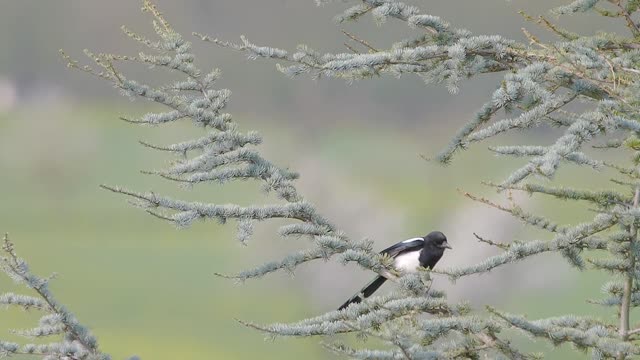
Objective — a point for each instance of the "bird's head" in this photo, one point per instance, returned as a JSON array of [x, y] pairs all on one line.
[[436, 239]]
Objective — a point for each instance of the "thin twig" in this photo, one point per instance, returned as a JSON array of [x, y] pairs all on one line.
[[627, 17], [361, 41], [613, 71], [351, 48], [492, 243]]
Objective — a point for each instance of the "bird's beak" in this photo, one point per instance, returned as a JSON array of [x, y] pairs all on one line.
[[446, 245]]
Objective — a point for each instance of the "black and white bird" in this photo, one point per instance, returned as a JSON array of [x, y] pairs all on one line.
[[407, 256]]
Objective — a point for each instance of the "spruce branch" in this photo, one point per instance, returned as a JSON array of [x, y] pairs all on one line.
[[360, 41], [603, 198], [627, 17], [583, 333], [535, 72], [570, 241], [584, 86], [224, 154], [76, 341], [543, 21], [502, 246], [432, 62], [519, 213]]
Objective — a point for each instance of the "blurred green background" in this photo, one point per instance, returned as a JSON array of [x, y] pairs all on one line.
[[148, 289]]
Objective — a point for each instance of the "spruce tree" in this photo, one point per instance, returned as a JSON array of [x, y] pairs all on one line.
[[583, 85]]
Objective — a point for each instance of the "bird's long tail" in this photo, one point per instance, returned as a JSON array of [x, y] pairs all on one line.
[[366, 291]]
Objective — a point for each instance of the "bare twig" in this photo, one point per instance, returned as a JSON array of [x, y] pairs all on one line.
[[353, 50], [361, 41], [627, 17], [492, 243]]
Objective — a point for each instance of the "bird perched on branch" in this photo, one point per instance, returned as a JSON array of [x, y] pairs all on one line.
[[407, 256]]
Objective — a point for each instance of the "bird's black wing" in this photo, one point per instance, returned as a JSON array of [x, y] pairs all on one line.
[[407, 245]]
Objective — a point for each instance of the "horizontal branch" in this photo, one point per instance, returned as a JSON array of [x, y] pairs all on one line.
[[572, 238], [302, 211]]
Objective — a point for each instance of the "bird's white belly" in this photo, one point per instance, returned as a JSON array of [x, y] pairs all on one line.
[[407, 262]]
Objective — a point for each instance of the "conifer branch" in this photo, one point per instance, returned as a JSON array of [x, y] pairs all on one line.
[[584, 333], [585, 86], [627, 17], [502, 246], [519, 213], [358, 40], [603, 198], [76, 341], [224, 154], [573, 239]]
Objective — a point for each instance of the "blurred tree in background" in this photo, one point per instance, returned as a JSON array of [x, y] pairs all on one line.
[[583, 86]]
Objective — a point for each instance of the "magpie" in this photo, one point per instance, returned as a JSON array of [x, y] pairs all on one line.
[[407, 256]]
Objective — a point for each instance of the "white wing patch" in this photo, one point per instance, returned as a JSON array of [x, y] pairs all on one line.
[[407, 262], [411, 240]]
